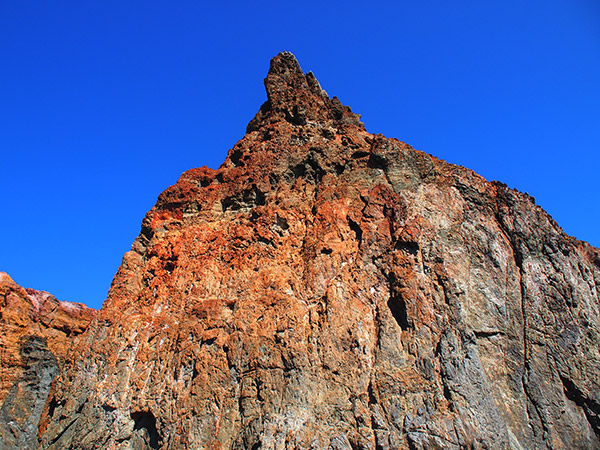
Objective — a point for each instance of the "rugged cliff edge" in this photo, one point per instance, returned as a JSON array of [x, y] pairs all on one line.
[[331, 288], [36, 331]]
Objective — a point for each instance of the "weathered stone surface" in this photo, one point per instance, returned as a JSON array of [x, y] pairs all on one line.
[[36, 332], [331, 288]]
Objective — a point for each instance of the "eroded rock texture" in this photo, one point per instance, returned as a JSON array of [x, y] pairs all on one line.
[[36, 332], [329, 288]]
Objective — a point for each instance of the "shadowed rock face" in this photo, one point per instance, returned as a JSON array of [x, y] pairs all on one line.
[[36, 332], [331, 288]]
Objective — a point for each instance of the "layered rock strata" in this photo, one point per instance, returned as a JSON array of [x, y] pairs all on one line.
[[329, 288], [36, 332]]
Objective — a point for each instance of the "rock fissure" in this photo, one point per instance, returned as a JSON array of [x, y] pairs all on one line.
[[535, 418], [537, 421]]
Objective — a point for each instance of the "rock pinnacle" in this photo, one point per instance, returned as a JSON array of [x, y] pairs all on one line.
[[297, 98]]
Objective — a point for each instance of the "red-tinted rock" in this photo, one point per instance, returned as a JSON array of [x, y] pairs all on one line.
[[36, 334], [331, 288]]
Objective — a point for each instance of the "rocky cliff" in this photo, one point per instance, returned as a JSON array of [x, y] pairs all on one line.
[[36, 331], [329, 288]]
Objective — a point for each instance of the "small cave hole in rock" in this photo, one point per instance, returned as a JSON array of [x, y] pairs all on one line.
[[145, 420], [280, 226], [297, 116], [327, 134], [411, 248], [309, 169], [209, 341], [377, 162], [447, 394], [398, 309], [244, 200], [147, 232], [372, 396], [236, 157], [274, 179], [356, 228], [52, 406], [359, 154], [299, 171], [108, 408], [169, 266]]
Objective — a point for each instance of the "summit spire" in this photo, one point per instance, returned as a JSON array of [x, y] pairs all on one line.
[[297, 97]]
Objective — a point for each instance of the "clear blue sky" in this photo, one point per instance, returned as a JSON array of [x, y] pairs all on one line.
[[103, 104]]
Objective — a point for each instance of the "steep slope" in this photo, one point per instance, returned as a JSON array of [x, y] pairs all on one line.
[[331, 288], [35, 335]]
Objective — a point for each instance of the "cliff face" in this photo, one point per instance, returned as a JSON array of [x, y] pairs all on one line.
[[36, 331], [332, 288]]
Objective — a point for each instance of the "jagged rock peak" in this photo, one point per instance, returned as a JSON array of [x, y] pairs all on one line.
[[298, 98], [286, 77]]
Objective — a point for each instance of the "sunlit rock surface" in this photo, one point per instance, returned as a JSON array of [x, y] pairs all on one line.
[[329, 288]]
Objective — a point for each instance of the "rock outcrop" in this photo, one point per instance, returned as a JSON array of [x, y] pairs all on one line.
[[36, 332], [329, 288]]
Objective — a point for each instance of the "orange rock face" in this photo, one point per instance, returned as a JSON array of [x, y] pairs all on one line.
[[329, 288], [36, 333]]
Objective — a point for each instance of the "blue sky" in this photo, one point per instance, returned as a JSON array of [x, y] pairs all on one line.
[[104, 104]]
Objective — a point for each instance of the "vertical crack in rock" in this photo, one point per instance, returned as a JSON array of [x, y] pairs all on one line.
[[536, 421]]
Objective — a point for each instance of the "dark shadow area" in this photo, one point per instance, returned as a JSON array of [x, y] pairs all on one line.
[[398, 308], [357, 230], [245, 200], [145, 420], [590, 408]]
